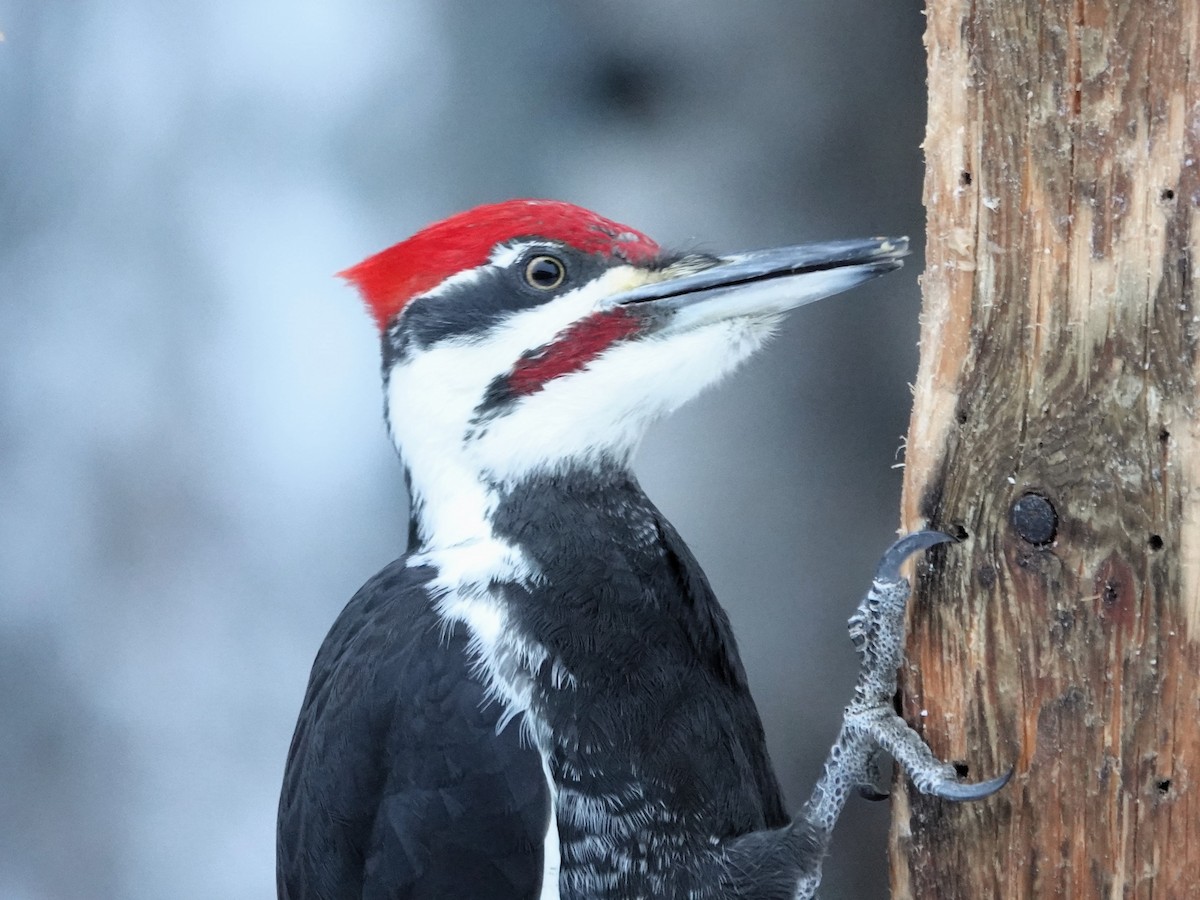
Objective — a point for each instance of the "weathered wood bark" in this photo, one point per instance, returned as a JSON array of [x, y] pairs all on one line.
[[1056, 427]]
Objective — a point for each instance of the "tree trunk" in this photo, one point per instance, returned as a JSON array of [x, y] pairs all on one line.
[[1056, 430]]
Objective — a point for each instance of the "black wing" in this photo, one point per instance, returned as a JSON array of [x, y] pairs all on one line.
[[715, 642], [399, 783]]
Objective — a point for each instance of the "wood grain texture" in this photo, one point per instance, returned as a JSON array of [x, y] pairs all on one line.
[[1058, 363]]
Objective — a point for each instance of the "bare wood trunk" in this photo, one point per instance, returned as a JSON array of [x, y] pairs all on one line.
[[1056, 425]]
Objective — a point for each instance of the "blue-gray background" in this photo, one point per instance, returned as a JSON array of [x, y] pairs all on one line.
[[193, 472]]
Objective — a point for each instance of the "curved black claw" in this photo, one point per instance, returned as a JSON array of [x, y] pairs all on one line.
[[956, 790], [895, 555]]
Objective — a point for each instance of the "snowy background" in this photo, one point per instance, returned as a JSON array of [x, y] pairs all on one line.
[[194, 476]]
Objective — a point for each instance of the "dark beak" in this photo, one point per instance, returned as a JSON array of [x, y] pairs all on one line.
[[699, 290]]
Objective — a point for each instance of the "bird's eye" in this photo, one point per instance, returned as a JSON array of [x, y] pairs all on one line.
[[545, 273]]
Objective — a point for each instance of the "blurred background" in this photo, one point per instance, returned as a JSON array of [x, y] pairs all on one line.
[[194, 475]]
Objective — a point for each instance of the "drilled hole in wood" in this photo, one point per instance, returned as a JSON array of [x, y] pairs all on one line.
[[956, 531], [1167, 195], [1163, 785], [961, 769], [1155, 542], [1110, 593], [1164, 435], [987, 577], [1034, 518], [965, 179]]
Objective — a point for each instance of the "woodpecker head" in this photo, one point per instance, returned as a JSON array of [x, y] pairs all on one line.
[[533, 335]]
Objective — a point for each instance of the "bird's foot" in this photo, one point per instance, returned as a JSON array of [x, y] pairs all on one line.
[[870, 726], [877, 632]]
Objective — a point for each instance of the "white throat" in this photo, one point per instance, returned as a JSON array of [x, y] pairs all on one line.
[[461, 465]]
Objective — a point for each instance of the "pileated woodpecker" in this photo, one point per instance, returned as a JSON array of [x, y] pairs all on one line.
[[542, 698]]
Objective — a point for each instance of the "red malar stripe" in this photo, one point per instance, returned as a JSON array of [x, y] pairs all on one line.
[[572, 350]]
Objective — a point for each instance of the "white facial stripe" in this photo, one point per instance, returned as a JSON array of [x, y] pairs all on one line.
[[502, 257], [602, 410], [466, 276], [598, 412], [507, 254], [432, 395]]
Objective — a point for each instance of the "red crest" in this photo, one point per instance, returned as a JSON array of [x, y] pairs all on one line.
[[390, 279]]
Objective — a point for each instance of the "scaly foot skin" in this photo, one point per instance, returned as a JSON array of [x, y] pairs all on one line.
[[870, 724], [877, 631]]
